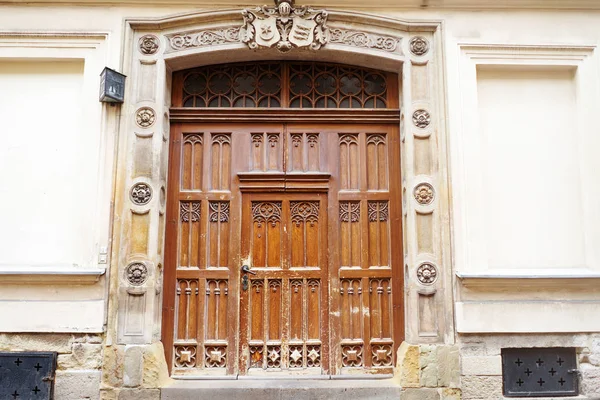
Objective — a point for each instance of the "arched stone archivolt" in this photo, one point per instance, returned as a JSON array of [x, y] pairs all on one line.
[[157, 47]]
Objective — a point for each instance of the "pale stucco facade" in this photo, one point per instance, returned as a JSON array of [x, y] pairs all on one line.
[[509, 218]]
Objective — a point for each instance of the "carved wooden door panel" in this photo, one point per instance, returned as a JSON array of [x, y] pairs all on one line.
[[366, 322], [314, 212], [201, 235], [284, 290], [367, 276]]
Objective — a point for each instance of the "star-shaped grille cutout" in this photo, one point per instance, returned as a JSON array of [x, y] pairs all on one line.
[[313, 355], [296, 355], [273, 355]]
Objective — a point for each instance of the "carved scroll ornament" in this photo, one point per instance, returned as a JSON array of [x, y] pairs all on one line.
[[284, 27], [206, 38], [364, 40]]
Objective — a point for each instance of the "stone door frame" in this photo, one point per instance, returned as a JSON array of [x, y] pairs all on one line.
[[154, 47]]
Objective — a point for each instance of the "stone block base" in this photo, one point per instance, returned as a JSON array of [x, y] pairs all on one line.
[[428, 366], [77, 385]]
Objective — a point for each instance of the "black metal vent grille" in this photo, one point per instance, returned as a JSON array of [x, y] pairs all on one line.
[[535, 372], [27, 376]]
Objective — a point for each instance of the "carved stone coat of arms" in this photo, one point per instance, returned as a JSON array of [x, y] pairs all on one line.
[[284, 27]]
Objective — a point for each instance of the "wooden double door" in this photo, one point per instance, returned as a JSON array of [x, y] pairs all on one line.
[[283, 249]]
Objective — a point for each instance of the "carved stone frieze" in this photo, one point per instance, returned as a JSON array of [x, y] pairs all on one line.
[[427, 273], [145, 117], [136, 273], [364, 39], [141, 194], [211, 37], [424, 193], [284, 27], [419, 46], [148, 44], [421, 118]]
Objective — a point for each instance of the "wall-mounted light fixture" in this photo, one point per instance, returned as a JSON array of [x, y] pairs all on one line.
[[112, 86]]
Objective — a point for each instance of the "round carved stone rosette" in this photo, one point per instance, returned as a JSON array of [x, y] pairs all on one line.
[[136, 273], [419, 46], [427, 273], [421, 118], [141, 194], [424, 193], [148, 44], [145, 117]]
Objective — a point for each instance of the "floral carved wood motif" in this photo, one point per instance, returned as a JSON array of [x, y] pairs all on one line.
[[349, 212], [284, 27], [219, 211], [266, 212], [305, 211]]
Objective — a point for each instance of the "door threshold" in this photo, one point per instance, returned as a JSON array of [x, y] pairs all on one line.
[[277, 389]]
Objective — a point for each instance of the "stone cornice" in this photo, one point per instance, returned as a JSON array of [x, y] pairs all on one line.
[[222, 18]]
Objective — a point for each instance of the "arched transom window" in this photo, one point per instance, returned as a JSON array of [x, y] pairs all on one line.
[[286, 85]]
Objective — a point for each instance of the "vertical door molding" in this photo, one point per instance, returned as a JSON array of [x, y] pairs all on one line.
[[425, 193]]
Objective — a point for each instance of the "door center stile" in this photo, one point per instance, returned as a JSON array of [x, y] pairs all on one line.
[[284, 305], [284, 309]]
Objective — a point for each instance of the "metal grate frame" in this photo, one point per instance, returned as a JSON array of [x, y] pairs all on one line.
[[538, 372], [27, 375]]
